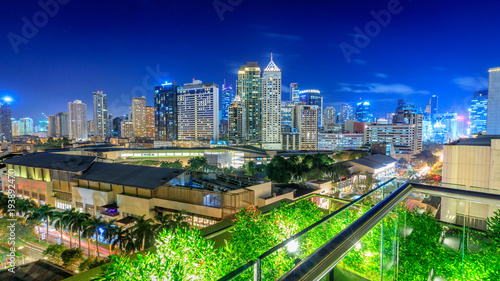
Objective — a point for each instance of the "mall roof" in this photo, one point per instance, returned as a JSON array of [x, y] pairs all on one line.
[[40, 270], [54, 161], [383, 159], [130, 175], [368, 163], [479, 141]]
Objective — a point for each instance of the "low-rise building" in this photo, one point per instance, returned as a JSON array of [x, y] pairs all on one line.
[[377, 165], [338, 141]]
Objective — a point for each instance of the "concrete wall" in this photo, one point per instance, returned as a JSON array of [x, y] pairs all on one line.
[[467, 165], [135, 205], [191, 208], [93, 197], [261, 191]]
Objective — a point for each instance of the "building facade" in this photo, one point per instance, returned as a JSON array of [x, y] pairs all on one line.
[[339, 141], [313, 97], [363, 112], [226, 98], [77, 120], [62, 125], [100, 102], [271, 107], [249, 89], [166, 112], [346, 113], [493, 116], [478, 112], [198, 111], [139, 116], [5, 122], [329, 118], [287, 116], [295, 92], [306, 122], [237, 120]]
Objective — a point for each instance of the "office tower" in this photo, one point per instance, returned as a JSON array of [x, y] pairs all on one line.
[[127, 129], [198, 111], [271, 107], [306, 122], [226, 98], [287, 116], [340, 141], [329, 118], [237, 119], [43, 126], [404, 111], [493, 116], [52, 132], [346, 112], [77, 119], [249, 89], [295, 93], [434, 106], [5, 122], [150, 122], [117, 126], [363, 112], [27, 124], [313, 97], [139, 116], [100, 102], [62, 124], [90, 127], [166, 112], [390, 117], [478, 112], [17, 128]]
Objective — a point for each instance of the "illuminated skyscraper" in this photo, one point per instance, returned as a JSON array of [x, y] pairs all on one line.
[[306, 122], [52, 132], [139, 116], [100, 102], [77, 117], [287, 116], [166, 112], [237, 119], [493, 117], [249, 89], [271, 107], [295, 93], [346, 112], [478, 112], [329, 118], [62, 124], [226, 98], [313, 97], [5, 121], [434, 106], [150, 122], [363, 112], [198, 111]]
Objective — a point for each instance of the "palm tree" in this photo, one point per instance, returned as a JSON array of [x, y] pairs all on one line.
[[4, 204], [92, 227], [58, 221], [144, 232], [109, 232], [171, 221], [25, 206], [78, 221], [45, 212], [67, 218]]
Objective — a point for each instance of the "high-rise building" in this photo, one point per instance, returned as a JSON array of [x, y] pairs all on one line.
[[77, 119], [363, 112], [150, 122], [22, 127], [139, 116], [62, 124], [493, 116], [249, 89], [5, 122], [313, 97], [237, 120], [166, 112], [339, 141], [117, 126], [287, 116], [329, 118], [90, 127], [17, 128], [271, 107], [434, 106], [127, 129], [346, 113], [226, 98], [306, 122], [52, 132], [404, 112], [478, 112], [295, 92], [100, 102], [198, 111]]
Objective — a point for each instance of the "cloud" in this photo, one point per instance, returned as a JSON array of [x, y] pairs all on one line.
[[281, 36], [380, 75], [360, 62], [379, 88], [469, 83]]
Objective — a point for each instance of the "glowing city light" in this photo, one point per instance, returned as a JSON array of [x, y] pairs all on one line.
[[293, 246], [7, 99]]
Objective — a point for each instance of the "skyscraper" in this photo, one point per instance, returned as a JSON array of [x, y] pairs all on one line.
[[404, 111], [363, 112], [434, 106], [295, 92], [346, 112], [306, 122], [271, 107], [329, 118], [287, 116], [226, 98], [313, 97], [150, 122], [52, 126], [493, 117], [198, 111], [5, 122], [249, 89], [62, 124], [166, 112], [77, 119], [237, 119], [100, 102], [43, 126], [139, 116], [478, 112]]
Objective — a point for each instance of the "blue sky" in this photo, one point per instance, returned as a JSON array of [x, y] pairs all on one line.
[[124, 47]]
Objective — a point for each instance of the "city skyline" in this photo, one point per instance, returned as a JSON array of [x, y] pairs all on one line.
[[374, 74]]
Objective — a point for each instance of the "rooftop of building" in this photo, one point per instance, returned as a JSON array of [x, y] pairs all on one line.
[[130, 175], [380, 158], [54, 161], [40, 270], [367, 163], [481, 140]]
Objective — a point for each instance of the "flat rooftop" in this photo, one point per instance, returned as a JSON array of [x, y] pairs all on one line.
[[54, 161]]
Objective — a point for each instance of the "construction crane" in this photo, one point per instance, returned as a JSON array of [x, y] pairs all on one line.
[[45, 116]]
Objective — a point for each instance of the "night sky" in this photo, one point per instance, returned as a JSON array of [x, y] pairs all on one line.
[[429, 47]]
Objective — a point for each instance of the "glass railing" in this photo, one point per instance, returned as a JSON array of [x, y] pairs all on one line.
[[274, 263]]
